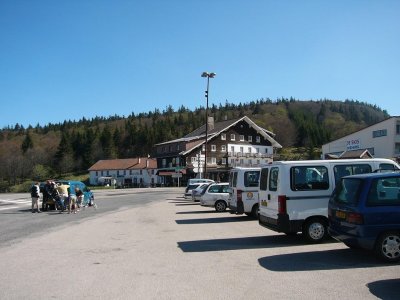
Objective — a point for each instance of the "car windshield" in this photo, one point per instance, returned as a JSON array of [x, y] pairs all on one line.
[[347, 191]]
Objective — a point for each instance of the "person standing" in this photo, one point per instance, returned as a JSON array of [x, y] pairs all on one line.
[[46, 194], [35, 195], [79, 197]]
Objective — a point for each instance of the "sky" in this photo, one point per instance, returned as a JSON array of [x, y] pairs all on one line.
[[69, 59]]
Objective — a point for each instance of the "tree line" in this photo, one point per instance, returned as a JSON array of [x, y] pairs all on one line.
[[71, 146]]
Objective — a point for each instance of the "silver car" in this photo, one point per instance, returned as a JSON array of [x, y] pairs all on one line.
[[216, 195], [197, 192]]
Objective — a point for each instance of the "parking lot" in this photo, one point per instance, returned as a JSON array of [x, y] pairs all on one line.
[[176, 249]]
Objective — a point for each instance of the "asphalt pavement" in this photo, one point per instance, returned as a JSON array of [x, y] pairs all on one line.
[[166, 247]]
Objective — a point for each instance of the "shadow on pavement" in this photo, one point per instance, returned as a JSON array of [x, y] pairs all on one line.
[[254, 242], [385, 289], [320, 260], [216, 220], [195, 212]]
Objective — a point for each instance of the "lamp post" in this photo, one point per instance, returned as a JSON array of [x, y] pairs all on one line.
[[208, 76]]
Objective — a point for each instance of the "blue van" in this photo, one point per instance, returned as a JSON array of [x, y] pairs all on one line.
[[88, 195], [364, 212]]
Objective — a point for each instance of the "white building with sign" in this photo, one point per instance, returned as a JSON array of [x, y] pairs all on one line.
[[382, 140]]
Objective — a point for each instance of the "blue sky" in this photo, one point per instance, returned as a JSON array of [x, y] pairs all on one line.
[[64, 60]]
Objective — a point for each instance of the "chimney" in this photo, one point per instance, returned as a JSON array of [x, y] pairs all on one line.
[[210, 123]]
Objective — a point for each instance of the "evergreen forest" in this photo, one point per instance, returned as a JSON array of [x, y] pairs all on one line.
[[49, 151]]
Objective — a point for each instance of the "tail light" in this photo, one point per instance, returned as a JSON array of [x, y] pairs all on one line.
[[282, 204], [355, 218], [239, 195]]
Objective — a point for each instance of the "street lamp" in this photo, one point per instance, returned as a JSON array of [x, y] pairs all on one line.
[[208, 75]]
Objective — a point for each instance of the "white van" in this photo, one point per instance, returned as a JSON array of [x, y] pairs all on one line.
[[243, 190], [294, 195]]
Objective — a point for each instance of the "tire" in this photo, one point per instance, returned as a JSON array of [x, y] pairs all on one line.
[[387, 247], [315, 230], [254, 211], [220, 206]]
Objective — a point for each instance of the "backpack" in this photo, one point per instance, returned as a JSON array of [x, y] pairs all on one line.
[[34, 191]]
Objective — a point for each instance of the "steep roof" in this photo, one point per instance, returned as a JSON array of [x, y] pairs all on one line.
[[124, 164], [219, 127]]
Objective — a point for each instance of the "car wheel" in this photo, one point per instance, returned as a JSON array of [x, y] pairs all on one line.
[[387, 247], [315, 230], [254, 211], [220, 206]]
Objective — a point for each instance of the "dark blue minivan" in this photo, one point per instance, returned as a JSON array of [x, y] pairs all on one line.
[[364, 212]]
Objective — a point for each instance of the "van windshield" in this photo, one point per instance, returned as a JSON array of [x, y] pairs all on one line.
[[347, 191]]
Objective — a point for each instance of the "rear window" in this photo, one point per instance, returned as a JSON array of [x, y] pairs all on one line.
[[273, 179], [264, 179], [347, 191], [251, 178], [233, 179], [384, 192]]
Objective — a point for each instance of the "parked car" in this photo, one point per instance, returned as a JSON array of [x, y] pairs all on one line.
[[364, 212], [194, 183], [294, 195], [216, 195], [244, 189], [197, 192], [88, 197]]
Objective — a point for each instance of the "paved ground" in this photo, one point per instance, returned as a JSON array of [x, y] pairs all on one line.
[[174, 249]]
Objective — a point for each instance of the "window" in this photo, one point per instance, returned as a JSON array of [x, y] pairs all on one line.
[[241, 138], [223, 148], [273, 179], [193, 160], [214, 189], [213, 160], [384, 192], [232, 137], [249, 149], [178, 147], [232, 161], [397, 148], [213, 148], [233, 149], [344, 170], [379, 133], [251, 178], [97, 173], [203, 147], [258, 139], [266, 150], [309, 178], [264, 179], [241, 149], [164, 162], [223, 136], [257, 150], [250, 138], [224, 160]]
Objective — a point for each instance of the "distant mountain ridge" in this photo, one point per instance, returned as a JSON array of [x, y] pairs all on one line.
[[54, 149]]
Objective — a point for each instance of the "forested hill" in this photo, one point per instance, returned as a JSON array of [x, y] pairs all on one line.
[[53, 149]]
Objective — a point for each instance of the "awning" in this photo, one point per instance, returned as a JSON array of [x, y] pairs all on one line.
[[169, 173]]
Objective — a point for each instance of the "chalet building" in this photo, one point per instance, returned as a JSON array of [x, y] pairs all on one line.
[[381, 140], [130, 172], [230, 143]]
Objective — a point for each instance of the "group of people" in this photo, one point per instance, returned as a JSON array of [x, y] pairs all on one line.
[[59, 194]]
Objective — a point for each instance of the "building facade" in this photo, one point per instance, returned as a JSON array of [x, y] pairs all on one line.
[[131, 172], [382, 140], [232, 143]]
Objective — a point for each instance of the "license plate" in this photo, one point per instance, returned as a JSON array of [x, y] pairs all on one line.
[[340, 214]]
